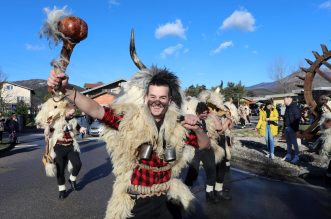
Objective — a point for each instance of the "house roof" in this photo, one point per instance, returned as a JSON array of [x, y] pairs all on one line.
[[19, 86], [102, 86], [92, 85]]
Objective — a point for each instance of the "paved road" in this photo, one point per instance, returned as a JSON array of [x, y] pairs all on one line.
[[25, 191]]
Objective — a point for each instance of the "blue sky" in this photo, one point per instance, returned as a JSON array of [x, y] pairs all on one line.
[[203, 42]]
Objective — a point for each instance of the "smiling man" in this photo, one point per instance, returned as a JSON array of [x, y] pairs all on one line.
[[148, 145]]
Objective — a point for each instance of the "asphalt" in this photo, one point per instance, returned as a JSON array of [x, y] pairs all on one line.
[[25, 191]]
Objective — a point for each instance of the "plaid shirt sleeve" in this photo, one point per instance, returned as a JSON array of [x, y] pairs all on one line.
[[192, 140], [111, 119]]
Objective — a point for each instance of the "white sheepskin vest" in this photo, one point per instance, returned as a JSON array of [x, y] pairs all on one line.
[[137, 127]]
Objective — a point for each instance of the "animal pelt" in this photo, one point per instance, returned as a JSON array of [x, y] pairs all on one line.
[[50, 169], [212, 133], [326, 135], [138, 127], [52, 115], [189, 107], [233, 110], [51, 109], [213, 97]]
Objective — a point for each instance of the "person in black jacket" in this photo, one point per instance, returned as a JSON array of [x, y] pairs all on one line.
[[291, 124], [13, 128]]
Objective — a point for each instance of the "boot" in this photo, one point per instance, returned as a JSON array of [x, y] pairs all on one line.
[[211, 197], [221, 195], [62, 194], [73, 185]]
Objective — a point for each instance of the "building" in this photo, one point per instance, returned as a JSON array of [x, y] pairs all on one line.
[[12, 93], [104, 94], [88, 86]]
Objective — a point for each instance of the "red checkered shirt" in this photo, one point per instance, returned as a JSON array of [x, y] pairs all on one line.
[[140, 176]]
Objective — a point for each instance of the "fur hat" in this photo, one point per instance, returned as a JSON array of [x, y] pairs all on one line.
[[134, 90], [214, 99]]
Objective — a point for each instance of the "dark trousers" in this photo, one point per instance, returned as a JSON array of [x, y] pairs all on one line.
[[1, 132], [207, 157], [221, 168], [63, 154], [156, 207], [242, 121]]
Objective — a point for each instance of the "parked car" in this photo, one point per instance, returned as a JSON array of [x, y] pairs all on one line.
[[96, 128]]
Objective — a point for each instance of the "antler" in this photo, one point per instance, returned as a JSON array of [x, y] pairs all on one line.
[[310, 74], [308, 81]]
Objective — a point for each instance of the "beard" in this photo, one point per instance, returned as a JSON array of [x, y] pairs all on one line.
[[157, 103], [152, 103]]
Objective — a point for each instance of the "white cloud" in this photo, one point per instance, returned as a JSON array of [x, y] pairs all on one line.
[[171, 29], [222, 46], [112, 3], [186, 50], [171, 50], [255, 52], [242, 20], [31, 47], [325, 5], [246, 46]]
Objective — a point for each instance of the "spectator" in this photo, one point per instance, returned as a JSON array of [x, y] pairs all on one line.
[[268, 126], [291, 125], [13, 128], [242, 115], [248, 113], [84, 121], [2, 126]]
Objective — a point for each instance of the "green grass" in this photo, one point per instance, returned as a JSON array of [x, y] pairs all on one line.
[[245, 133], [4, 144]]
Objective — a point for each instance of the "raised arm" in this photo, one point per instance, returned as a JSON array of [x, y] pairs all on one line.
[[84, 103], [190, 122]]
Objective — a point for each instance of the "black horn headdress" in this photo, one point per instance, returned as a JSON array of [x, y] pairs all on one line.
[[135, 89]]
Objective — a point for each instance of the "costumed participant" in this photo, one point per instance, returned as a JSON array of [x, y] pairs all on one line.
[[56, 114], [206, 156], [219, 131], [147, 142], [57, 118]]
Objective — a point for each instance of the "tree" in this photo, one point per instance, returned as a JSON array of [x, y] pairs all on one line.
[[278, 72], [3, 95], [234, 91], [22, 108], [250, 93], [194, 91]]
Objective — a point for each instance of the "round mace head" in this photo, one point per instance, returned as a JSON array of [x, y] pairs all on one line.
[[73, 28]]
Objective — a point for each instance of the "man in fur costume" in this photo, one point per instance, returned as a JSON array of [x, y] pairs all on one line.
[[61, 145], [206, 156], [219, 131], [148, 121]]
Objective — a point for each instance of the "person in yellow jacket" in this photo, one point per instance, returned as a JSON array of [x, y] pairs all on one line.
[[268, 126]]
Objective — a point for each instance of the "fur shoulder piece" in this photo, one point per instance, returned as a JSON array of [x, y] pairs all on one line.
[[51, 109], [212, 97], [190, 105], [233, 110]]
